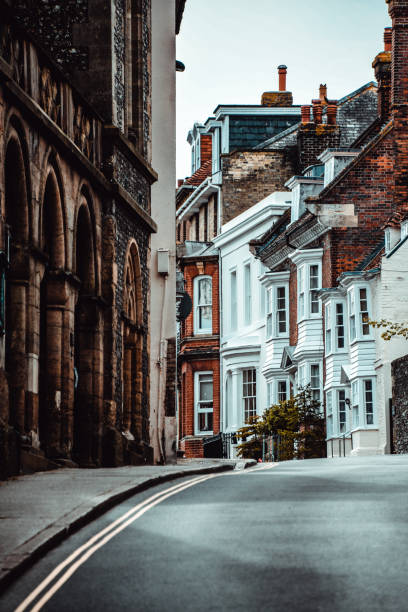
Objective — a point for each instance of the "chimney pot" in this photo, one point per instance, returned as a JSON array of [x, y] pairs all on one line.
[[332, 112], [317, 111], [282, 70], [388, 39], [305, 111]]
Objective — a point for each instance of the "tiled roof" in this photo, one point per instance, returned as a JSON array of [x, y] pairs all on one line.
[[200, 175]]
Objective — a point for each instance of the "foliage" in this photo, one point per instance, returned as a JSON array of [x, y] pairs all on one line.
[[391, 329], [297, 424]]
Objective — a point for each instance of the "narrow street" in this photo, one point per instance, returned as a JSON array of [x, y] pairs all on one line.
[[308, 535]]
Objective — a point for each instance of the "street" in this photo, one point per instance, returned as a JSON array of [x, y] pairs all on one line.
[[302, 536]]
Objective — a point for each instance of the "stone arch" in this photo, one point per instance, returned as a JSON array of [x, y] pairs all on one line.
[[54, 295], [132, 343], [15, 240], [88, 330]]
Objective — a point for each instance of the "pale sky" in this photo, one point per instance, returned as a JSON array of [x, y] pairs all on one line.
[[231, 50]]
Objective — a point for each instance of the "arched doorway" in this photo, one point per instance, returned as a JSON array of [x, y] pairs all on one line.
[[17, 276], [53, 298], [132, 346], [86, 417]]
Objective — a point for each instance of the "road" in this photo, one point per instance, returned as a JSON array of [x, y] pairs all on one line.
[[301, 536]]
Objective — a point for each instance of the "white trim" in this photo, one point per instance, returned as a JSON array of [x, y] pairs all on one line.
[[224, 111], [197, 329], [197, 401]]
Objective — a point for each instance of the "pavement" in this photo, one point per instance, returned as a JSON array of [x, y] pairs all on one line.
[[40, 510]]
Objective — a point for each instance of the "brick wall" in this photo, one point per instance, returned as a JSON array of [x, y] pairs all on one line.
[[191, 270], [368, 185], [399, 369], [249, 176], [313, 140]]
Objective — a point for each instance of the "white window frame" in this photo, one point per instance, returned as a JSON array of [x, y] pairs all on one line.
[[328, 342], [360, 403], [306, 291], [233, 300], [358, 329], [252, 401], [198, 402], [305, 378], [342, 410], [404, 229], [197, 329], [329, 415], [273, 310], [247, 290], [338, 326], [387, 240], [279, 392]]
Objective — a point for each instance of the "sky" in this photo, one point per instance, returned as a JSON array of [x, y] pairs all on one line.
[[231, 50]]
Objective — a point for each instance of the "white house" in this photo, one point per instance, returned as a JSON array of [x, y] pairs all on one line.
[[243, 312]]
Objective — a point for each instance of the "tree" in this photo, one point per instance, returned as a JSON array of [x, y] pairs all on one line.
[[297, 423], [391, 329]]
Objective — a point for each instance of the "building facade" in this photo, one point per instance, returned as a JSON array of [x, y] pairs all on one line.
[[75, 228]]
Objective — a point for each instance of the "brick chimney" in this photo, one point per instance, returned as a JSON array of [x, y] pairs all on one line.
[[382, 71], [398, 10], [314, 136], [282, 97]]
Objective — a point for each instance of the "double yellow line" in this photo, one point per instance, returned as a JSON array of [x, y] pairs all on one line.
[[59, 576]]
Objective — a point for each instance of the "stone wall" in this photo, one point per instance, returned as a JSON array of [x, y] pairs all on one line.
[[399, 369]]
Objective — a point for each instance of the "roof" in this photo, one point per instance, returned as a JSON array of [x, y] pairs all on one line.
[[201, 174], [294, 128]]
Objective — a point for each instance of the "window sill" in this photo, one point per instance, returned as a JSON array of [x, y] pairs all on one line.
[[365, 428], [362, 339]]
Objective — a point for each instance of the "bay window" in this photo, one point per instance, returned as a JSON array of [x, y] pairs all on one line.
[[282, 390], [315, 381], [368, 402], [203, 305], [203, 388], [340, 325]]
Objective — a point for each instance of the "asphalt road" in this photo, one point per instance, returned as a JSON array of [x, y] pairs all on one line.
[[302, 536]]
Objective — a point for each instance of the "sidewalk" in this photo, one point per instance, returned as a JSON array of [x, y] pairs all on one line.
[[40, 510]]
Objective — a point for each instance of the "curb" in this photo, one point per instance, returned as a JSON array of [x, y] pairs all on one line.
[[26, 554]]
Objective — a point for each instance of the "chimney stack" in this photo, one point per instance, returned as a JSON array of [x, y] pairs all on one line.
[[398, 10], [323, 93], [282, 97], [382, 71], [283, 70], [388, 39]]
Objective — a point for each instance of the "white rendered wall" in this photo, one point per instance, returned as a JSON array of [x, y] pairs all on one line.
[[163, 290]]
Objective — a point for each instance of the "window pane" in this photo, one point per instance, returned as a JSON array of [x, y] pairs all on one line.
[[233, 309], [205, 421], [342, 411], [205, 291], [205, 317], [314, 277], [339, 326], [206, 391], [247, 294], [365, 328], [282, 392], [369, 407], [249, 393], [281, 309]]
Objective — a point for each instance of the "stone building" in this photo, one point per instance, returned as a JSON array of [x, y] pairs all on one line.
[[75, 228]]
